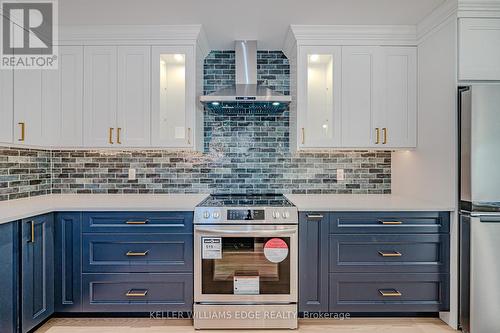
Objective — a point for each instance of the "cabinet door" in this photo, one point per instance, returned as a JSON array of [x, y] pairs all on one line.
[[134, 99], [360, 96], [99, 101], [313, 262], [479, 49], [6, 105], [396, 119], [68, 278], [319, 84], [29, 111], [173, 96], [62, 97], [37, 263], [9, 277]]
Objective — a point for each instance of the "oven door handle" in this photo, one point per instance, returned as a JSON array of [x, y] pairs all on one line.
[[267, 233]]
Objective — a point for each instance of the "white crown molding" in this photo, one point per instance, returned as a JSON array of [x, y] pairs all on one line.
[[479, 8], [436, 19], [203, 43], [134, 34], [353, 34]]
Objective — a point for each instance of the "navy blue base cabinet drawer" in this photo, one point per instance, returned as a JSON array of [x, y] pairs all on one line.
[[139, 253], [390, 253], [377, 292], [389, 222], [137, 292], [158, 222]]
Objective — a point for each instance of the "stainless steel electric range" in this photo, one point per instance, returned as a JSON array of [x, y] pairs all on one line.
[[245, 262]]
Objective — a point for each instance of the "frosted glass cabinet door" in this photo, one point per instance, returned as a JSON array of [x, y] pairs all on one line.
[[318, 104], [6, 105], [173, 100]]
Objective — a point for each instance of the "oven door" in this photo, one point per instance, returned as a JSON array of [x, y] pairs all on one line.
[[245, 264]]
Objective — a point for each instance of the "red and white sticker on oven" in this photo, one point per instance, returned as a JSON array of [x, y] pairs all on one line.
[[275, 250]]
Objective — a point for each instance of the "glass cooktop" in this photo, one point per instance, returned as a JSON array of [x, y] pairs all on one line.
[[246, 200]]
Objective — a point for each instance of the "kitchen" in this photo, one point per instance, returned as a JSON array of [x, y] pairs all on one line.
[[181, 166]]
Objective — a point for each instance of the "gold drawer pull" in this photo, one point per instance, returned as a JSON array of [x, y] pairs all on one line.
[[23, 131], [189, 135], [110, 139], [118, 132], [137, 222], [390, 293], [390, 254], [391, 222], [377, 130], [385, 135], [137, 254], [303, 135], [136, 293], [32, 236]]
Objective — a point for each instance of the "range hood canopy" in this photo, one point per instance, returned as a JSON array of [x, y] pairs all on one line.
[[246, 93]]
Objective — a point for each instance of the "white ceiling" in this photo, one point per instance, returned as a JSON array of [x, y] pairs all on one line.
[[227, 20]]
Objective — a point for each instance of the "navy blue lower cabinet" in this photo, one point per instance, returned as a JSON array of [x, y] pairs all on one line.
[[395, 253], [68, 272], [137, 253], [389, 292], [37, 270], [389, 222], [313, 262], [138, 292], [137, 222], [9, 277]]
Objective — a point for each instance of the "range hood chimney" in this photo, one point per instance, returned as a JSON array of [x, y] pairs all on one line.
[[246, 93]]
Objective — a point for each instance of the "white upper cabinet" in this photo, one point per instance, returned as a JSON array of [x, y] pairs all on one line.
[[396, 118], [62, 95], [173, 96], [360, 95], [134, 100], [100, 91], [30, 113], [318, 79], [6, 106], [479, 49]]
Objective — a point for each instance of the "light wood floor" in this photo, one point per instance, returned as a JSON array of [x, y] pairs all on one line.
[[356, 325]]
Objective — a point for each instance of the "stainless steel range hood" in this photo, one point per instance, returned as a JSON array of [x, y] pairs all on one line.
[[246, 93]]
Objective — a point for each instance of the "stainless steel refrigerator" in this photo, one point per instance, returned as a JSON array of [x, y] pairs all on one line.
[[479, 118]]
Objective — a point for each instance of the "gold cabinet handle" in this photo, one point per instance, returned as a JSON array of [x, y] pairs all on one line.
[[137, 222], [377, 130], [137, 254], [303, 135], [136, 293], [111, 135], [384, 130], [189, 135], [314, 216], [391, 222], [390, 293], [32, 236], [118, 131], [23, 131], [390, 254]]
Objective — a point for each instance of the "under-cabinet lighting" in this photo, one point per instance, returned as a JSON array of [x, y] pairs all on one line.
[[314, 57], [215, 103], [178, 57], [276, 103]]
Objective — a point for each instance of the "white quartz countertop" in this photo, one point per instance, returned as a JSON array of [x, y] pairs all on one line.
[[13, 210], [362, 202]]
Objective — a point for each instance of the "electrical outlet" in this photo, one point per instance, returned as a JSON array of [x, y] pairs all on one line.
[[132, 174], [340, 174]]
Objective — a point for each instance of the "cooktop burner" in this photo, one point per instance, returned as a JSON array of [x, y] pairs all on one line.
[[246, 200]]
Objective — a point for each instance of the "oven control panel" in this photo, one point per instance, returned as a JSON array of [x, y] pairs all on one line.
[[275, 215]]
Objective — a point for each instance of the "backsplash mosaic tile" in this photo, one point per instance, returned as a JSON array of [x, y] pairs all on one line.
[[244, 152], [24, 173]]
